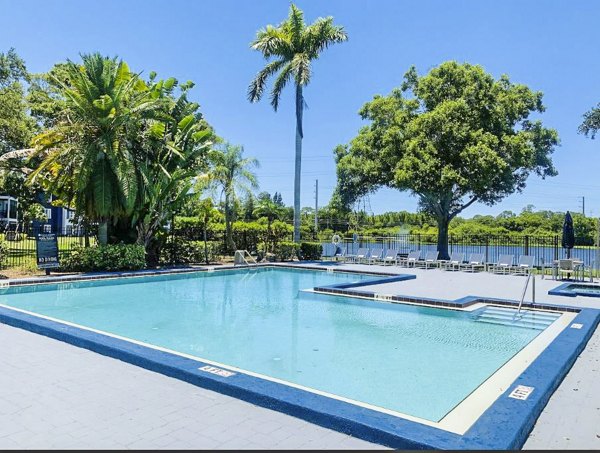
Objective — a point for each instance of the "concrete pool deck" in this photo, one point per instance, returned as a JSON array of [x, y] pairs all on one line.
[[61, 396]]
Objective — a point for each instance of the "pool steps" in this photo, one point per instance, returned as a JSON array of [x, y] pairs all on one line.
[[509, 317]]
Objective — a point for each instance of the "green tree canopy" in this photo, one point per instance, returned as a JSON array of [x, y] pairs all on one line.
[[591, 122], [453, 137]]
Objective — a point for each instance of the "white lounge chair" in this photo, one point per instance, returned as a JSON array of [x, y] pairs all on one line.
[[525, 265], [503, 266], [454, 262], [411, 259], [375, 255], [474, 263], [362, 255], [430, 260], [391, 255]]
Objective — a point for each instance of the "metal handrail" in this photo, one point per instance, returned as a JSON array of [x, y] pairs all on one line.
[[530, 276]]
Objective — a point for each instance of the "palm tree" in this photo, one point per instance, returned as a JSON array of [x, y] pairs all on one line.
[[291, 47], [86, 158], [271, 210], [232, 174]]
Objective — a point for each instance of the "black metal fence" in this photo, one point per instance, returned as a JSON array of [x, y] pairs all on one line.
[[545, 249], [19, 249]]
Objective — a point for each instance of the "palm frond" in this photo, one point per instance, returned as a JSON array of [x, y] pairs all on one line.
[[257, 86], [282, 79]]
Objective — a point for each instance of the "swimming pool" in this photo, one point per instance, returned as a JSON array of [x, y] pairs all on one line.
[[413, 360], [576, 289]]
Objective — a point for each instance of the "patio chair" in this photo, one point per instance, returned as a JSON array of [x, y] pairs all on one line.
[[474, 263], [431, 259], [411, 259], [566, 267], [454, 262], [391, 255], [375, 255], [525, 265], [503, 266]]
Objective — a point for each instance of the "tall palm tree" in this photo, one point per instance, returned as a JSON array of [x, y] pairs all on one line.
[[291, 47], [86, 157], [231, 172]]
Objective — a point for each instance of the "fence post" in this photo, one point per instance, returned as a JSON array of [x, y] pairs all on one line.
[[487, 246], [526, 245], [555, 247], [450, 241]]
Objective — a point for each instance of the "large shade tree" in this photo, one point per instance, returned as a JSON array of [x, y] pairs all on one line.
[[453, 137], [290, 48]]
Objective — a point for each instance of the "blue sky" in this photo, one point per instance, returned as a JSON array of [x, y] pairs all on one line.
[[551, 46]]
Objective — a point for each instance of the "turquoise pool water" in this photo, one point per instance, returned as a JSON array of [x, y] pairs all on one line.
[[416, 360]]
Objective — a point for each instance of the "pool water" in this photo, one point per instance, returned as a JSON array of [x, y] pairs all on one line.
[[415, 360]]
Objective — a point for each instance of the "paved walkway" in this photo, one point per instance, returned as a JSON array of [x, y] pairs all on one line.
[[54, 395]]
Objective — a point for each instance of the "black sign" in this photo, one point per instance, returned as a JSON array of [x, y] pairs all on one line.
[[47, 250]]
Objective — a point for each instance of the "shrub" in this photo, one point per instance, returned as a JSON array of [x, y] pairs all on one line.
[[310, 251], [183, 251], [3, 253], [285, 251], [105, 258]]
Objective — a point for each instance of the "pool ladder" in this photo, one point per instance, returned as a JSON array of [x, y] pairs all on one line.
[[530, 276]]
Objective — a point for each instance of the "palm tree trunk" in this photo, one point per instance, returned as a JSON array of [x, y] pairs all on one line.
[[228, 232], [299, 135], [103, 233]]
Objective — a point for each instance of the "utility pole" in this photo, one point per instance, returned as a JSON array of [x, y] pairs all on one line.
[[582, 205], [316, 206]]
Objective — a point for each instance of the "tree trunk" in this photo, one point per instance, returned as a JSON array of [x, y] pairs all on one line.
[[205, 245], [299, 135], [103, 233], [442, 240], [228, 232]]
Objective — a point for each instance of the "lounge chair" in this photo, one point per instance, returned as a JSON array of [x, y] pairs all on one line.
[[362, 255], [454, 262], [431, 259], [525, 265], [391, 255], [503, 266], [474, 263], [411, 259], [339, 253], [375, 255]]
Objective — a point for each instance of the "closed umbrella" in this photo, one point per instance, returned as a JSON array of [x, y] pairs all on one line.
[[568, 234]]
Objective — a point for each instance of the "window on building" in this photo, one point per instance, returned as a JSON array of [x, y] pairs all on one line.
[[3, 208], [48, 212], [13, 209]]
